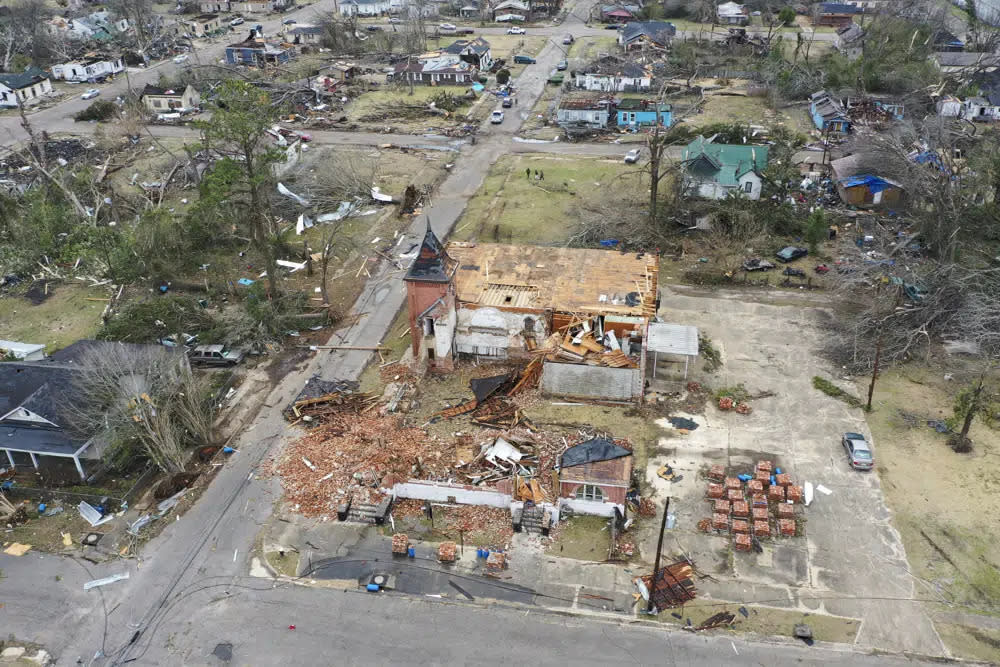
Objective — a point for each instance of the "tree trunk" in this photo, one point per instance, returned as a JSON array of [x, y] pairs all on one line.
[[971, 412]]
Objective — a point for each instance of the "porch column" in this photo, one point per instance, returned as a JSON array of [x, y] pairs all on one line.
[[656, 360], [34, 459], [79, 468], [11, 459], [687, 358]]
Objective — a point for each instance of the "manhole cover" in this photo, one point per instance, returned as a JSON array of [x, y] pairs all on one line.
[[223, 652], [379, 579]]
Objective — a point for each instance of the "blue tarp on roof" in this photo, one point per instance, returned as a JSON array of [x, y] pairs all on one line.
[[873, 183]]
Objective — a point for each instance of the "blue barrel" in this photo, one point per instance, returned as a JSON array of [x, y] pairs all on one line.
[[777, 471], [773, 480], [411, 552], [41, 507], [372, 588]]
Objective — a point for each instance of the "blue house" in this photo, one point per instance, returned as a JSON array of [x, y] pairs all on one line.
[[828, 114], [256, 52], [638, 113]]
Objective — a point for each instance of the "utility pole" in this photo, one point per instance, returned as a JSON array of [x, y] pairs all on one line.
[[878, 358], [656, 563]]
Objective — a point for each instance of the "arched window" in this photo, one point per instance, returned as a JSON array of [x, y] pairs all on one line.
[[589, 492]]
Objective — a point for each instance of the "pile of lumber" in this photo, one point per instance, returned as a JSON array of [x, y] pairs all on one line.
[[582, 342]]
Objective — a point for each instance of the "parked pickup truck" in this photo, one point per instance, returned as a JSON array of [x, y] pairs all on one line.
[[216, 355]]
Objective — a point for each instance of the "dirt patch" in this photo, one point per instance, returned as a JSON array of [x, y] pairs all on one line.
[[286, 563], [582, 538]]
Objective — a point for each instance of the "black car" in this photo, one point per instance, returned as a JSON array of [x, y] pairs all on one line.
[[613, 26], [790, 253], [373, 28], [562, 65]]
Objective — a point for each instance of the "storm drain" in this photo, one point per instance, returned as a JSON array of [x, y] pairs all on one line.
[[223, 652]]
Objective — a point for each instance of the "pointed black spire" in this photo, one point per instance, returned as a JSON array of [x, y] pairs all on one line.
[[432, 263]]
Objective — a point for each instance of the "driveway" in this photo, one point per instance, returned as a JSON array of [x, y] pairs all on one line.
[[850, 561]]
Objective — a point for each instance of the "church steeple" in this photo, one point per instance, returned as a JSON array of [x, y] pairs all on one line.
[[432, 264]]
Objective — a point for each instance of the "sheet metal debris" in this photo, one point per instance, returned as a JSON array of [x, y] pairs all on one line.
[[105, 581]]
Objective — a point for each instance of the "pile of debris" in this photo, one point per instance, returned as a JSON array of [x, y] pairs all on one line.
[[353, 458], [673, 585], [323, 400], [489, 406], [754, 506], [585, 341]]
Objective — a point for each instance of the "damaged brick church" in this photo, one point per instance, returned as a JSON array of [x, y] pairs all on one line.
[[586, 310]]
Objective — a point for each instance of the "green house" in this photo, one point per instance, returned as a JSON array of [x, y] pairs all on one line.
[[714, 171]]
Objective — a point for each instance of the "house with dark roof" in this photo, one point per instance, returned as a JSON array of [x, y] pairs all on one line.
[[612, 75], [828, 113], [970, 62], [306, 34], [25, 87], [476, 52], [635, 113], [646, 34], [37, 421], [593, 473], [835, 14], [435, 70], [256, 52], [715, 171], [619, 13], [849, 40], [589, 111], [161, 100], [508, 11]]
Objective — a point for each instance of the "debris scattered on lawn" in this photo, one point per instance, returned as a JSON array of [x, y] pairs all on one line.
[[17, 549], [714, 621]]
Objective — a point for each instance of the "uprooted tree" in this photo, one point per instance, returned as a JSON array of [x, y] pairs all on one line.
[[979, 398], [143, 400]]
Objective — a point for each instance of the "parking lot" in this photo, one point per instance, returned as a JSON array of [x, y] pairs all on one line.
[[849, 561]]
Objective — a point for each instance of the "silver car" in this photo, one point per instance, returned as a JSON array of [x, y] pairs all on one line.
[[859, 452]]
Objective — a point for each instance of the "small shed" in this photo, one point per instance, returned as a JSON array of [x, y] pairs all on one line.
[[674, 339], [869, 190], [594, 471]]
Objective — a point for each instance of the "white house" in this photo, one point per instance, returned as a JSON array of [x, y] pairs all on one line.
[[365, 7], [732, 13], [84, 70], [25, 87], [629, 77]]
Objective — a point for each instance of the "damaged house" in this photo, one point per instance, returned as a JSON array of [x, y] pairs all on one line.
[[828, 113], [256, 52], [584, 311], [592, 112], [638, 35], [612, 75], [595, 473], [860, 186], [714, 171]]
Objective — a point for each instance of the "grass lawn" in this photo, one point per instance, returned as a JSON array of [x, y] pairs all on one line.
[[766, 620], [586, 49], [394, 96], [582, 538], [740, 109], [63, 318], [970, 643], [509, 207], [938, 496]]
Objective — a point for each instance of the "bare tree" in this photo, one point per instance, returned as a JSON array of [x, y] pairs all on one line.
[[141, 394]]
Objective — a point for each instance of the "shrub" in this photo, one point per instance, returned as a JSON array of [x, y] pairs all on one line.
[[708, 352], [99, 110], [830, 389]]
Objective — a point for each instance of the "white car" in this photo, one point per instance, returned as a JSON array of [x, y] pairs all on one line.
[[515, 30], [632, 156], [496, 117], [448, 26], [395, 19], [90, 93], [181, 59], [237, 21]]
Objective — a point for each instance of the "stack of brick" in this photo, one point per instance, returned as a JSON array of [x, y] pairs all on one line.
[[447, 551], [783, 479], [787, 527], [741, 526], [759, 500], [734, 494], [786, 511], [764, 466], [763, 477], [717, 473], [742, 542], [793, 493], [761, 529], [716, 491], [400, 543], [776, 493], [755, 486], [720, 522], [741, 509], [734, 483], [496, 562], [760, 514], [722, 506]]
